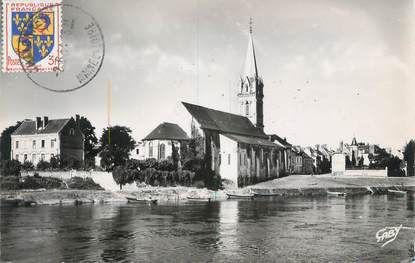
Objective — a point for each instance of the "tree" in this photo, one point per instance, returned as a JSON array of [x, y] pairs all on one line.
[[90, 139], [116, 144], [6, 141], [125, 174], [353, 159], [55, 162], [348, 162], [361, 161], [409, 156], [10, 167]]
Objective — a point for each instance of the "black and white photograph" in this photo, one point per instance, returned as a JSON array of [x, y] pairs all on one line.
[[207, 131]]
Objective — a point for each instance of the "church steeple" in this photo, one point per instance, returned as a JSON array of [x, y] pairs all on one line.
[[251, 95], [251, 69]]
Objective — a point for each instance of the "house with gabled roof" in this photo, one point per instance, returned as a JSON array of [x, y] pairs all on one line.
[[163, 141], [42, 139]]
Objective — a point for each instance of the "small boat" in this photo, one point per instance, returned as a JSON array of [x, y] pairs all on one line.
[[265, 194], [240, 196], [336, 193], [201, 199], [370, 190], [141, 201], [397, 192]]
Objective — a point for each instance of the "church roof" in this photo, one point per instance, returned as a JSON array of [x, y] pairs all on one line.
[[167, 131], [28, 127], [223, 121], [252, 140]]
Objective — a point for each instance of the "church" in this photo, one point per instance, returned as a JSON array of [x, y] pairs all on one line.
[[235, 145]]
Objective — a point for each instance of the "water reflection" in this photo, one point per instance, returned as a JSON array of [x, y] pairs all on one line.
[[268, 229], [228, 229]]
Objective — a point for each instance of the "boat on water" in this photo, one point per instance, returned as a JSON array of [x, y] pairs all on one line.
[[399, 192], [336, 193], [141, 201], [201, 199], [240, 196], [264, 194]]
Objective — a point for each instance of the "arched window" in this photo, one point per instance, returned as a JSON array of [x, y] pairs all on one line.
[[72, 132], [162, 151], [150, 149], [246, 87], [247, 108]]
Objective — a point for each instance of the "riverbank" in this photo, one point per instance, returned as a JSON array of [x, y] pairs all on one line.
[[304, 185], [295, 185]]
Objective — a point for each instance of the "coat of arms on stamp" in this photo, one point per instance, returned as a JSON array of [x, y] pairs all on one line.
[[32, 36]]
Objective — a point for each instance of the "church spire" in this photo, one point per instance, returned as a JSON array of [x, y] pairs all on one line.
[[251, 93], [251, 69]]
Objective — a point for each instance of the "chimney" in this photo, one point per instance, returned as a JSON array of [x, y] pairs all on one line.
[[318, 146], [45, 121], [77, 119], [38, 123]]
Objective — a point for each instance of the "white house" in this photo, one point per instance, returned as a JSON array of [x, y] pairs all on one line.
[[162, 141], [43, 139]]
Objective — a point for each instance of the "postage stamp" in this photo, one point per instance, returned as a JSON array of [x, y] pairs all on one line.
[[31, 36]]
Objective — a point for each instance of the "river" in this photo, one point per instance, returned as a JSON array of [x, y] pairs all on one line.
[[321, 229]]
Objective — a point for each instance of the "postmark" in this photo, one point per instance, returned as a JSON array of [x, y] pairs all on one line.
[[83, 50], [31, 36]]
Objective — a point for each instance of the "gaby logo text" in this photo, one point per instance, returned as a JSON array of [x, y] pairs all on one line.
[[387, 234]]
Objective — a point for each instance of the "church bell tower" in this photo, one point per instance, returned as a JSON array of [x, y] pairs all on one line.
[[251, 95]]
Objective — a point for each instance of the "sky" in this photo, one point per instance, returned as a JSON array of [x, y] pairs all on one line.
[[332, 69]]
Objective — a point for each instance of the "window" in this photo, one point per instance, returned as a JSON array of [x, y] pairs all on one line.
[[137, 151], [229, 158], [25, 158], [72, 131], [17, 145], [17, 157], [150, 149], [52, 143], [42, 157], [247, 108], [43, 143], [245, 162], [34, 144], [162, 151]]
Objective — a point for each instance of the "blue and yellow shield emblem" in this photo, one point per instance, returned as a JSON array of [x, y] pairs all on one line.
[[33, 35]]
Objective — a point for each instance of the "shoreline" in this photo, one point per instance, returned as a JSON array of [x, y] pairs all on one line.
[[291, 186]]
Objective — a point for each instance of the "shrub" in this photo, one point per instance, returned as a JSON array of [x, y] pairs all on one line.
[[83, 184], [71, 163], [42, 165], [55, 162], [10, 167], [9, 183], [164, 165], [122, 175], [194, 164], [147, 163], [32, 182], [27, 166]]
